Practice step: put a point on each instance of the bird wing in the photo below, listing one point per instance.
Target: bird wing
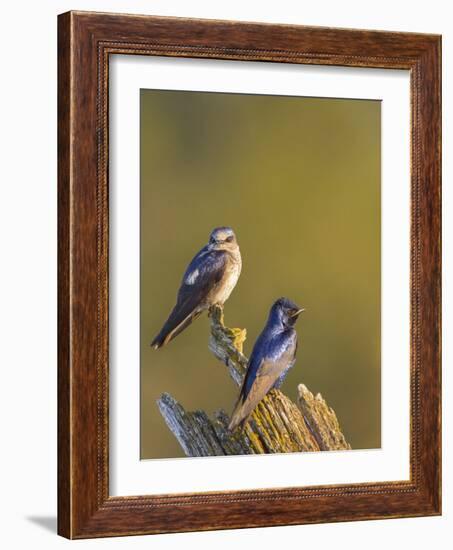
(204, 272)
(261, 377)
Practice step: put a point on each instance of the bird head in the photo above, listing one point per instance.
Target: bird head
(222, 238)
(285, 311)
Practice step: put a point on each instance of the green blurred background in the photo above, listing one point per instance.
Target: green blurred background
(299, 181)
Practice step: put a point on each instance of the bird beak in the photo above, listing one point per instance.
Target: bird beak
(298, 312)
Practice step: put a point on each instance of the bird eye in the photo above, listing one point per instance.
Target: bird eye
(230, 239)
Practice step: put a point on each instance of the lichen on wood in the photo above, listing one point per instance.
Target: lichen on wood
(277, 425)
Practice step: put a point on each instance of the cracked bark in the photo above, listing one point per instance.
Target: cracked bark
(277, 425)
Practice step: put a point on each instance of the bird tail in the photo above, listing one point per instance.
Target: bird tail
(173, 326)
(246, 404)
(240, 415)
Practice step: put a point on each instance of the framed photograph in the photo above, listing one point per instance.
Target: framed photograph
(249, 275)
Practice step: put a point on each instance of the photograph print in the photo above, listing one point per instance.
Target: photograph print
(260, 274)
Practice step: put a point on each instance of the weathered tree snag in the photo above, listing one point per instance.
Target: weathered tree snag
(277, 425)
(322, 420)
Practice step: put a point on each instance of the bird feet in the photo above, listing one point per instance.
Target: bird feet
(216, 314)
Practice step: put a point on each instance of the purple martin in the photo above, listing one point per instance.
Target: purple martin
(209, 280)
(273, 354)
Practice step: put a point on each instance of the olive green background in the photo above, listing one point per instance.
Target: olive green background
(299, 181)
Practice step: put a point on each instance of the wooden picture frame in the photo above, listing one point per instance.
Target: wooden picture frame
(85, 42)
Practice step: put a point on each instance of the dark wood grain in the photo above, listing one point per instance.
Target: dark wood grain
(64, 367)
(86, 40)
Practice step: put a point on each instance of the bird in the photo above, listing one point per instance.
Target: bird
(209, 280)
(273, 354)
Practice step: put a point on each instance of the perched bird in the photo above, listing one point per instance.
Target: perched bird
(274, 353)
(209, 280)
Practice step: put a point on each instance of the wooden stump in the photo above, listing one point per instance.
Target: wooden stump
(277, 425)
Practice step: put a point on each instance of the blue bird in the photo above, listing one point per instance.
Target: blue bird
(274, 353)
(209, 280)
